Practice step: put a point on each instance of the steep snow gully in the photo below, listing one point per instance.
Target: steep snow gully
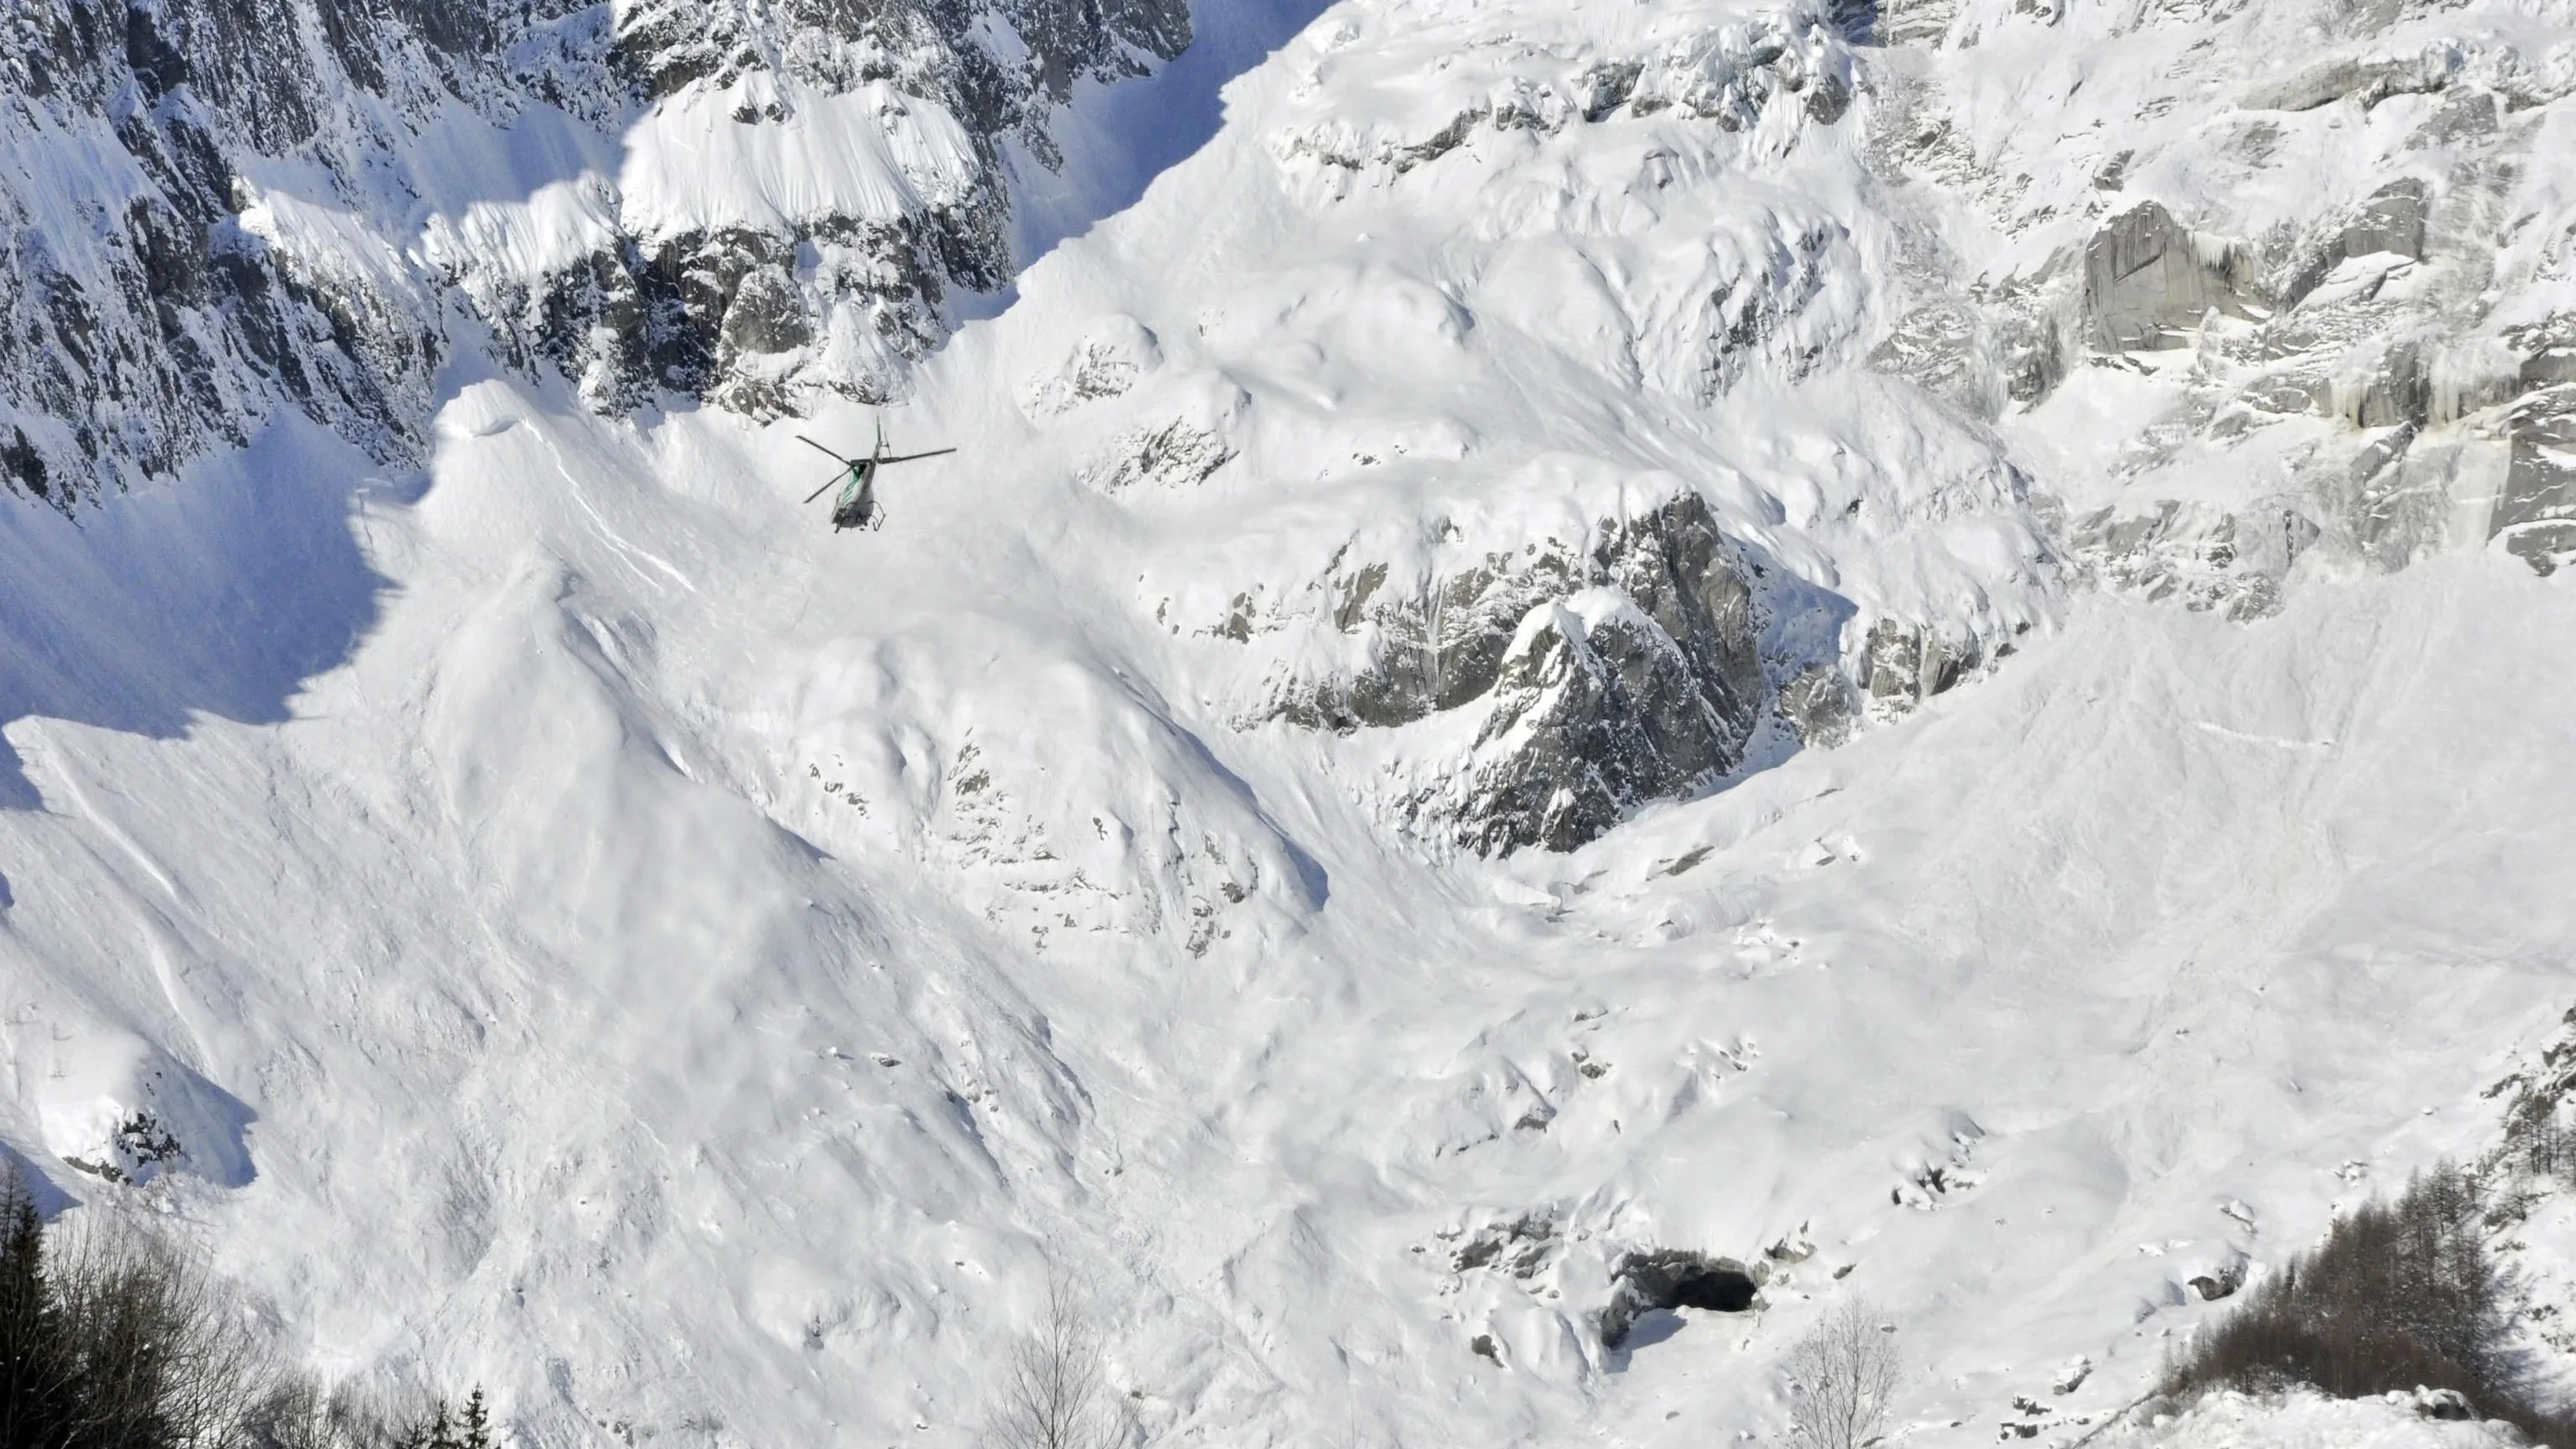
(1593, 677)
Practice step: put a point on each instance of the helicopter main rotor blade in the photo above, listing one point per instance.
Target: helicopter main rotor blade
(908, 457)
(826, 488)
(809, 442)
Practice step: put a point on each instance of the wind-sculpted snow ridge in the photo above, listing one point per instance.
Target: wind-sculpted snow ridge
(215, 212)
(1517, 755)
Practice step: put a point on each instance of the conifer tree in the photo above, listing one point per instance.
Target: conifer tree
(35, 1382)
(478, 1427)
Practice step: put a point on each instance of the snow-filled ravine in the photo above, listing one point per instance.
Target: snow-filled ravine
(1921, 647)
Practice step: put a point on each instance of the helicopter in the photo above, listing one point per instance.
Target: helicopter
(857, 505)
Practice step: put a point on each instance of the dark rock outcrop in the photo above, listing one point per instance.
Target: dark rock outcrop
(1613, 676)
(1733, 77)
(139, 320)
(2221, 1281)
(1765, 319)
(1518, 1246)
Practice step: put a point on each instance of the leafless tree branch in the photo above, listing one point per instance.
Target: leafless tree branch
(1842, 1375)
(1055, 1394)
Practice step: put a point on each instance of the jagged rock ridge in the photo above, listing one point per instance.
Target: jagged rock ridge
(1628, 668)
(213, 212)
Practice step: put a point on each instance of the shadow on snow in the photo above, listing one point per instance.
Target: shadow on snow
(216, 594)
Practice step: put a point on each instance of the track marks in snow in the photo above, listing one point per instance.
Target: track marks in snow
(68, 779)
(626, 549)
(2272, 741)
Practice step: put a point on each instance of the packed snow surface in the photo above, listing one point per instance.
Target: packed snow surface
(2307, 1421)
(569, 921)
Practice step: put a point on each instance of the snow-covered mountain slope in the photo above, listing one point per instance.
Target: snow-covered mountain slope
(215, 212)
(1597, 631)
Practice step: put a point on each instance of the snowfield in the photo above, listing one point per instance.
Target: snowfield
(2227, 1421)
(564, 919)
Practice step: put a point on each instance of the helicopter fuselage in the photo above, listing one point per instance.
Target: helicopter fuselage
(857, 505)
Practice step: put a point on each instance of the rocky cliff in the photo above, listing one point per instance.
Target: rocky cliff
(1602, 676)
(2252, 313)
(212, 211)
(2318, 254)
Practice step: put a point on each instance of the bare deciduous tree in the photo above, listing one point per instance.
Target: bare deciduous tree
(161, 1357)
(1056, 1394)
(114, 1336)
(1841, 1376)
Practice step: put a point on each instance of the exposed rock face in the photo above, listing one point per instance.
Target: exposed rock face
(2370, 80)
(140, 322)
(2536, 516)
(216, 211)
(2392, 220)
(1763, 319)
(1598, 708)
(2148, 281)
(1904, 664)
(1173, 455)
(1454, 643)
(2229, 562)
(2359, 367)
(2368, 316)
(2221, 1281)
(2384, 391)
(1626, 673)
(1818, 706)
(1735, 78)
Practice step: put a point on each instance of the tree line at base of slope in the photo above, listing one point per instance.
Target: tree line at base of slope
(113, 1337)
(2404, 1295)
